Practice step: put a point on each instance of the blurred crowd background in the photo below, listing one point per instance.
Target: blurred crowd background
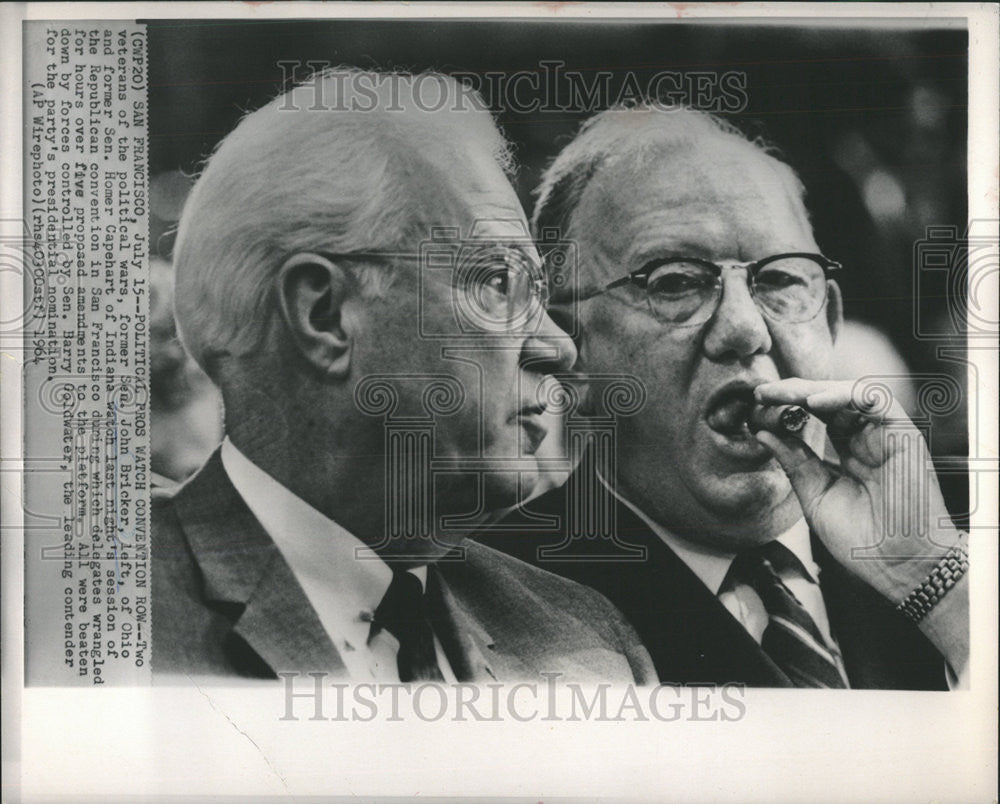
(874, 119)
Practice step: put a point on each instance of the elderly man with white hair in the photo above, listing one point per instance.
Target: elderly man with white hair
(736, 551)
(302, 291)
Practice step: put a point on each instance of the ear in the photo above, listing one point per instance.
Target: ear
(834, 309)
(312, 291)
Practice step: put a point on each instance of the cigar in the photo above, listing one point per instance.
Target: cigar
(778, 419)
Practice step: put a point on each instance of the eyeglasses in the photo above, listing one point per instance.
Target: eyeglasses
(495, 286)
(686, 291)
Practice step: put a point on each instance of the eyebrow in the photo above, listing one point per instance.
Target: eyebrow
(664, 253)
(531, 255)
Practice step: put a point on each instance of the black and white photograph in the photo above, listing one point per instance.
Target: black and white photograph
(493, 375)
(717, 243)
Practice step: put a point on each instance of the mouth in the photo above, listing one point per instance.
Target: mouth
(533, 425)
(728, 416)
(728, 410)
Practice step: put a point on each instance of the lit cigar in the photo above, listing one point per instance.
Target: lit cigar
(777, 418)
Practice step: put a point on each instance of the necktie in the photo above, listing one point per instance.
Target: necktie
(403, 613)
(791, 637)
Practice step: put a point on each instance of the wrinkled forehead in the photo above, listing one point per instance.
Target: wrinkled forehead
(469, 190)
(718, 199)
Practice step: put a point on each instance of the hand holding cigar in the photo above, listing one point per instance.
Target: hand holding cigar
(779, 419)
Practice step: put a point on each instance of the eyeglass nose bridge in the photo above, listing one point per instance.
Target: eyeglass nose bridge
(749, 280)
(712, 310)
(540, 290)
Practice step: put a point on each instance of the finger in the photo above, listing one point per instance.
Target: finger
(850, 434)
(795, 390)
(861, 426)
(824, 396)
(830, 402)
(853, 411)
(843, 420)
(854, 432)
(844, 423)
(809, 475)
(831, 399)
(858, 397)
(860, 468)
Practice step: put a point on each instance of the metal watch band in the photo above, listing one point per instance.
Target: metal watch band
(946, 573)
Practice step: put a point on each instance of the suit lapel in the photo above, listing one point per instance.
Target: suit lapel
(246, 577)
(464, 640)
(688, 632)
(690, 635)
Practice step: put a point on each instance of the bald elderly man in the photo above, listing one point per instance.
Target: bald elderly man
(302, 292)
(736, 552)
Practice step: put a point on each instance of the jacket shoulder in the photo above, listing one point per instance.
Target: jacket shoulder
(544, 613)
(510, 572)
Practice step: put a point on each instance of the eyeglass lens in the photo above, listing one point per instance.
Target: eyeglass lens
(501, 286)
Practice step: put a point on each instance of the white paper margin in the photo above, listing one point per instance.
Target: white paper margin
(88, 744)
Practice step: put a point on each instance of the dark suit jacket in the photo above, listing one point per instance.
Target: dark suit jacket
(691, 636)
(226, 603)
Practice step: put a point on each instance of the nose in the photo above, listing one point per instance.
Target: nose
(564, 318)
(737, 330)
(548, 349)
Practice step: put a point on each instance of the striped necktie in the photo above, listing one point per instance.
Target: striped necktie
(403, 613)
(791, 638)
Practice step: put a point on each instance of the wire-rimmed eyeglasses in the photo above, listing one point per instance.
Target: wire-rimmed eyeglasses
(496, 286)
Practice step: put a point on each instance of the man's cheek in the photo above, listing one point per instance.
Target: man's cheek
(804, 352)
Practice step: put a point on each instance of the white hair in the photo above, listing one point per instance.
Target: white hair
(634, 133)
(336, 164)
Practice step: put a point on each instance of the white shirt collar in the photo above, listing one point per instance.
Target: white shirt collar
(343, 578)
(711, 566)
